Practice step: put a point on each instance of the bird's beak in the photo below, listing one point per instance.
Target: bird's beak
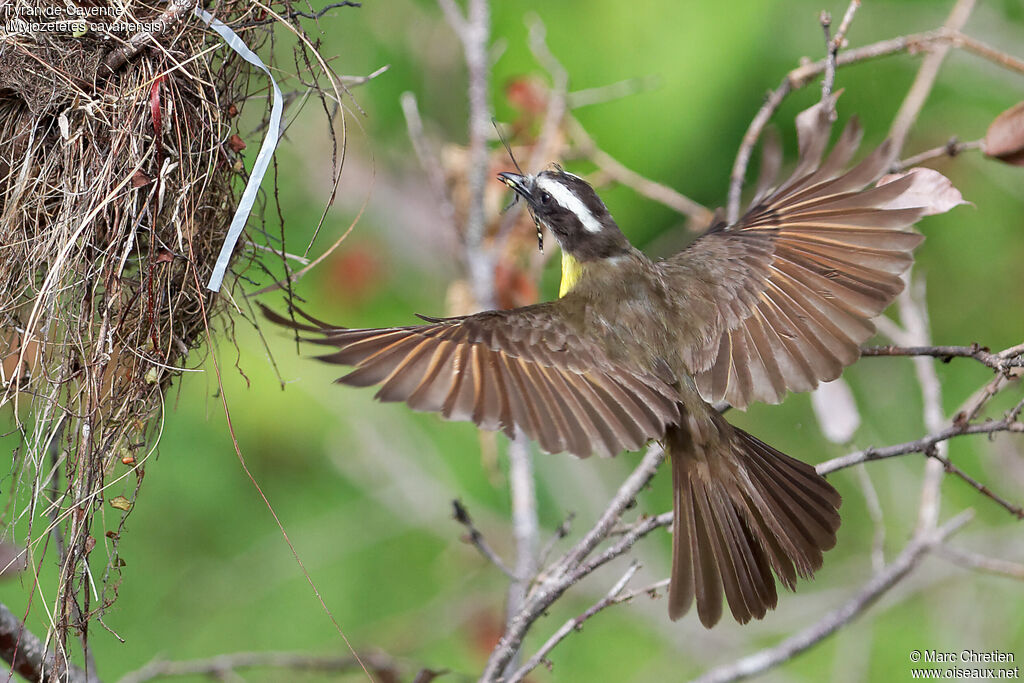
(516, 182)
(518, 185)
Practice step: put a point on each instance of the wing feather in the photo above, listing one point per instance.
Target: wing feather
(525, 369)
(784, 297)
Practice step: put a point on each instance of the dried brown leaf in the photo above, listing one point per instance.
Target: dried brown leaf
(1004, 139)
(929, 190)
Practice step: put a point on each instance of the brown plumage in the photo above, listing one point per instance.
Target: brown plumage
(778, 302)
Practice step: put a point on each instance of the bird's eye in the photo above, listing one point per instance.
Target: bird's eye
(545, 198)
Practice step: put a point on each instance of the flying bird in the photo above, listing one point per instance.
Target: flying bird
(637, 349)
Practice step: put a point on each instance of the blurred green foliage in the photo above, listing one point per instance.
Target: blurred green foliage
(364, 489)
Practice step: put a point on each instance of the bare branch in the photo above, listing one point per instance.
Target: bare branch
(914, 317)
(574, 624)
(27, 656)
(874, 506)
(1001, 362)
(921, 445)
(925, 79)
(979, 562)
(221, 666)
(525, 527)
(352, 81)
(428, 160)
(175, 12)
(461, 515)
(568, 569)
(881, 582)
(698, 214)
(802, 75)
(951, 149)
(613, 91)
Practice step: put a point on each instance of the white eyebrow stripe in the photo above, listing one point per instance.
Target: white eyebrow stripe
(570, 202)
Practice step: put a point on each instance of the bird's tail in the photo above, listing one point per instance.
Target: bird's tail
(742, 511)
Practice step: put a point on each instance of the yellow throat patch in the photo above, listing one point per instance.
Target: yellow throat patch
(571, 270)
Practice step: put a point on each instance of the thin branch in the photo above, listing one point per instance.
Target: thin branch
(914, 317)
(352, 81)
(698, 214)
(951, 149)
(925, 79)
(461, 515)
(574, 624)
(611, 92)
(993, 55)
(921, 445)
(979, 562)
(221, 666)
(473, 31)
(844, 26)
(881, 582)
(561, 532)
(832, 47)
(1001, 362)
(525, 527)
(175, 12)
(429, 162)
(568, 569)
(803, 74)
(27, 656)
(874, 506)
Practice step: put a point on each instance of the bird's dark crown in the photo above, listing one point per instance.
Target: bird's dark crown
(569, 207)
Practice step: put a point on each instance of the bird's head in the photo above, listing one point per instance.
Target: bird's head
(572, 211)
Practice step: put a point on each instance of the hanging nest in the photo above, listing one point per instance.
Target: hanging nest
(119, 175)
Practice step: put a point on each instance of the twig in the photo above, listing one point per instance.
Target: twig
(461, 515)
(830, 63)
(979, 562)
(1013, 509)
(568, 569)
(574, 624)
(925, 79)
(304, 15)
(881, 582)
(428, 160)
(914, 317)
(175, 12)
(917, 446)
(844, 26)
(222, 665)
(832, 47)
(993, 55)
(561, 532)
(557, 107)
(27, 657)
(613, 91)
(525, 527)
(1001, 362)
(473, 31)
(951, 149)
(352, 81)
(874, 506)
(802, 75)
(699, 215)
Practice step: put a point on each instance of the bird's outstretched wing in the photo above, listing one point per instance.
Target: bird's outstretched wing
(786, 295)
(523, 368)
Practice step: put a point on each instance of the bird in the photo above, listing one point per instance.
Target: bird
(636, 350)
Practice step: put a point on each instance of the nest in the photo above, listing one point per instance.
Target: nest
(119, 174)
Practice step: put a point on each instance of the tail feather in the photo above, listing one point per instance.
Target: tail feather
(743, 510)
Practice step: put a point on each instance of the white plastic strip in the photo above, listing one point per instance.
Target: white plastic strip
(259, 167)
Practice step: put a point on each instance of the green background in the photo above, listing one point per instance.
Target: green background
(364, 489)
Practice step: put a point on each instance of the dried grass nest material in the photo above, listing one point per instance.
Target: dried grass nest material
(116, 191)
